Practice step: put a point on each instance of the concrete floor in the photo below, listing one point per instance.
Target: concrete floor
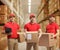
(22, 46)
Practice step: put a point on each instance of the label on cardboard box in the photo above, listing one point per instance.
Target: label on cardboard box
(29, 36)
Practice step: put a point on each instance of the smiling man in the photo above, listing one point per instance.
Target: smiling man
(11, 31)
(32, 26)
(53, 27)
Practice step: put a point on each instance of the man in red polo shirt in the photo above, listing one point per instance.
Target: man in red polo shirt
(32, 26)
(52, 27)
(13, 36)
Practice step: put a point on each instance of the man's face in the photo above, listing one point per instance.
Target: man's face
(52, 19)
(33, 19)
(12, 19)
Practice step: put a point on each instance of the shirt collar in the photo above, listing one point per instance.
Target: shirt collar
(32, 23)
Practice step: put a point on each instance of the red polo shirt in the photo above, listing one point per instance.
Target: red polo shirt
(32, 27)
(52, 28)
(15, 27)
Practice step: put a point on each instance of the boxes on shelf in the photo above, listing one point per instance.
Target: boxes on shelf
(3, 18)
(54, 4)
(3, 39)
(3, 9)
(3, 43)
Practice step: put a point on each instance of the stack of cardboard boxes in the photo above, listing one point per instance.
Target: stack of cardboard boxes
(3, 19)
(54, 4)
(3, 39)
(3, 13)
(3, 9)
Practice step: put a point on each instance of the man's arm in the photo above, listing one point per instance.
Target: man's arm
(19, 30)
(40, 32)
(18, 27)
(57, 30)
(57, 34)
(25, 30)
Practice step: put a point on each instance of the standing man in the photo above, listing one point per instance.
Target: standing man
(53, 27)
(32, 26)
(12, 36)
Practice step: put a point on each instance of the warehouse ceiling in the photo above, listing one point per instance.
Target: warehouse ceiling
(34, 6)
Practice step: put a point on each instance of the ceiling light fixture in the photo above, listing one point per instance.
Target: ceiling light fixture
(29, 6)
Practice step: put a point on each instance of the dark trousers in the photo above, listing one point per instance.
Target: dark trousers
(29, 45)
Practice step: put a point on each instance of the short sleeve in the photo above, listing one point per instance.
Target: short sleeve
(4, 26)
(18, 27)
(38, 26)
(56, 26)
(25, 27)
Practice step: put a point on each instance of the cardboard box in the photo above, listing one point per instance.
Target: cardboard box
(3, 9)
(4, 17)
(3, 43)
(46, 40)
(32, 37)
(3, 39)
(21, 37)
